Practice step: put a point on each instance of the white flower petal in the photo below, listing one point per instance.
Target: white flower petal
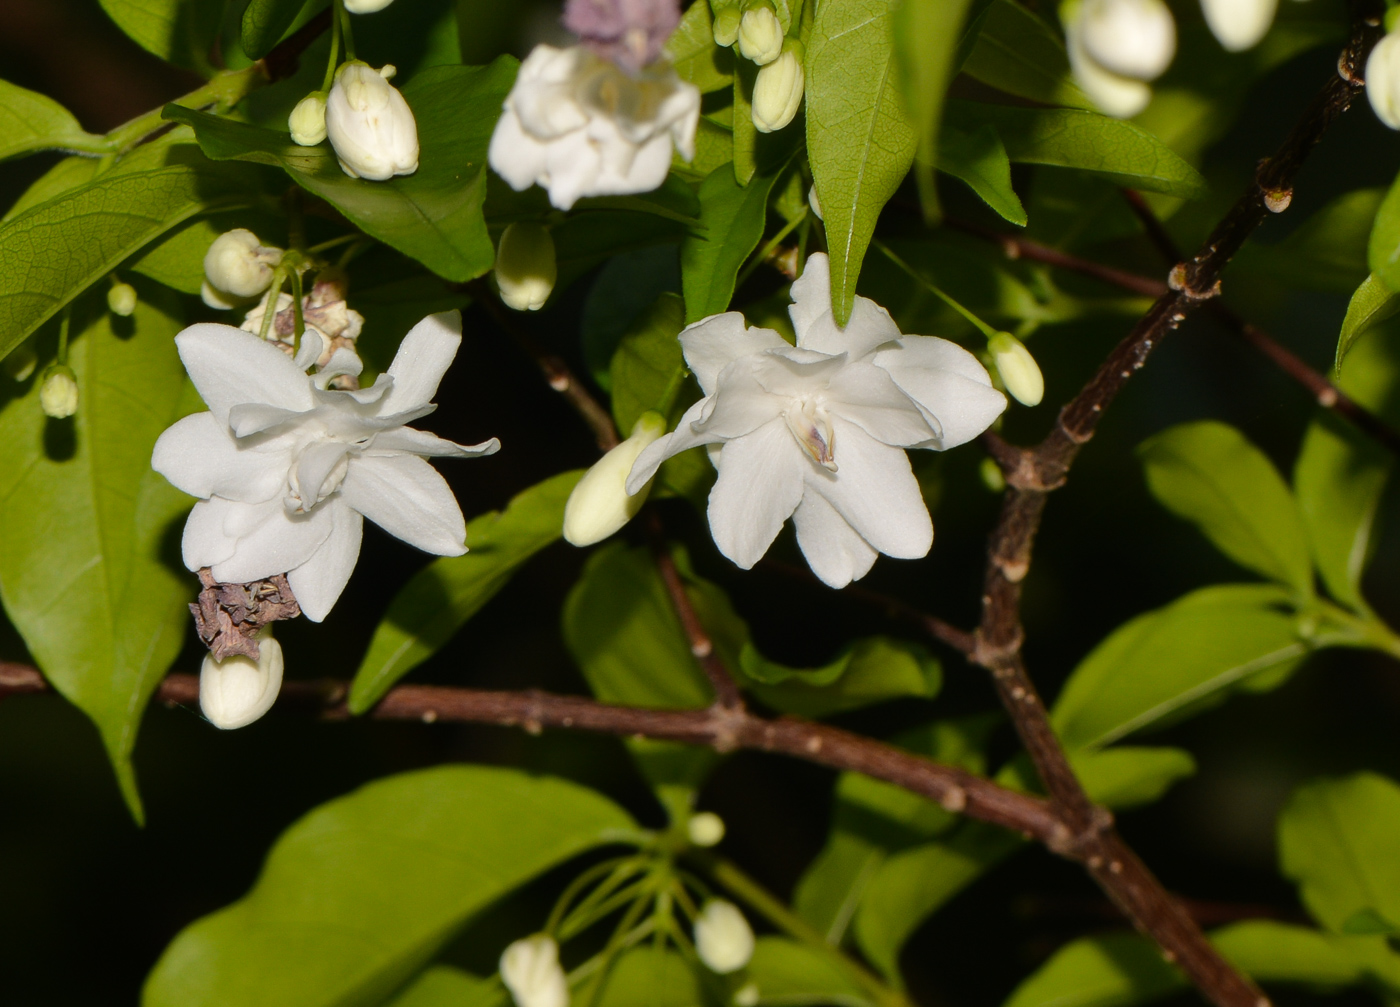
(276, 542)
(874, 489)
(759, 486)
(683, 438)
(423, 358)
(410, 500)
(401, 440)
(318, 582)
(834, 550)
(199, 457)
(572, 165)
(868, 396)
(740, 406)
(946, 380)
(712, 344)
(811, 294)
(515, 155)
(230, 367)
(205, 542)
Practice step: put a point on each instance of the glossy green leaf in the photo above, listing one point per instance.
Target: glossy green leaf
(440, 598)
(926, 36)
(264, 24)
(1337, 840)
(797, 975)
(626, 287)
(648, 976)
(447, 986)
(1211, 475)
(1327, 252)
(31, 121)
(869, 671)
(695, 55)
(1127, 776)
(743, 134)
(860, 140)
(1020, 54)
(433, 215)
(732, 217)
(980, 160)
(86, 527)
(68, 173)
(1372, 303)
(359, 894)
(647, 360)
(178, 31)
(1383, 249)
(1161, 663)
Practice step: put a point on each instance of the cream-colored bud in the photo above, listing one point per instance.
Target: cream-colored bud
(727, 26)
(236, 691)
(58, 395)
(1112, 93)
(760, 35)
(777, 93)
(366, 6)
(723, 939)
(22, 360)
(1239, 24)
(308, 120)
(237, 263)
(531, 971)
(600, 504)
(216, 298)
(814, 203)
(1018, 369)
(1130, 38)
(525, 266)
(705, 829)
(370, 125)
(1383, 80)
(747, 995)
(121, 299)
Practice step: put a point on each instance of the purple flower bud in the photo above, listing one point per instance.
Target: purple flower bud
(631, 33)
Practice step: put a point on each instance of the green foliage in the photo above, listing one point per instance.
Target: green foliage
(1328, 252)
(30, 121)
(1383, 250)
(1020, 54)
(179, 31)
(446, 986)
(651, 977)
(1372, 303)
(694, 54)
(787, 972)
(264, 24)
(868, 671)
(731, 223)
(926, 35)
(980, 160)
(647, 362)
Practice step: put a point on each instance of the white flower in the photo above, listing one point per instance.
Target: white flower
(525, 266)
(58, 392)
(777, 93)
(600, 504)
(308, 120)
(1115, 46)
(705, 829)
(816, 432)
(370, 125)
(121, 299)
(1239, 24)
(723, 939)
(1383, 80)
(238, 265)
(1018, 369)
(236, 691)
(760, 35)
(531, 971)
(580, 126)
(285, 470)
(366, 6)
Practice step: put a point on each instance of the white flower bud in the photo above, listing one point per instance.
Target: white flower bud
(705, 829)
(727, 26)
(121, 299)
(308, 120)
(1018, 369)
(366, 6)
(370, 125)
(1113, 94)
(22, 360)
(525, 266)
(746, 995)
(723, 938)
(600, 504)
(1383, 80)
(236, 691)
(1130, 38)
(58, 395)
(216, 298)
(814, 203)
(531, 971)
(237, 263)
(760, 35)
(1239, 24)
(777, 94)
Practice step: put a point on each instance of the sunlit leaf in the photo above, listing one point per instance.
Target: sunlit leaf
(980, 160)
(695, 55)
(1372, 303)
(1020, 54)
(31, 121)
(731, 223)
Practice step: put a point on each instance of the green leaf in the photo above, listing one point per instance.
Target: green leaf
(980, 160)
(1383, 250)
(31, 121)
(264, 24)
(626, 287)
(695, 55)
(1111, 149)
(1126, 777)
(1328, 252)
(731, 224)
(1211, 475)
(360, 893)
(1020, 54)
(859, 138)
(433, 215)
(447, 986)
(796, 975)
(85, 524)
(441, 597)
(869, 671)
(1163, 662)
(647, 360)
(649, 976)
(1372, 304)
(178, 31)
(1337, 840)
(926, 35)
(68, 173)
(743, 133)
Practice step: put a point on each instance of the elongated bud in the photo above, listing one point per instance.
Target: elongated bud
(705, 829)
(525, 266)
(121, 299)
(531, 971)
(366, 6)
(22, 360)
(1239, 24)
(58, 395)
(1383, 80)
(723, 939)
(814, 203)
(600, 504)
(239, 264)
(777, 94)
(760, 34)
(727, 26)
(1112, 93)
(1018, 369)
(236, 691)
(1132, 38)
(370, 125)
(308, 120)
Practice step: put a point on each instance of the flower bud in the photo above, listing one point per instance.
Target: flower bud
(525, 266)
(58, 395)
(1383, 80)
(600, 504)
(760, 34)
(1112, 93)
(238, 263)
(366, 6)
(22, 360)
(747, 995)
(723, 939)
(1131, 38)
(705, 829)
(1239, 24)
(777, 94)
(308, 120)
(814, 203)
(236, 691)
(727, 26)
(991, 475)
(121, 299)
(370, 125)
(531, 971)
(1018, 369)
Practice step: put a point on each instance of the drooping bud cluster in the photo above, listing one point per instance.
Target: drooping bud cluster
(531, 971)
(236, 267)
(755, 30)
(238, 690)
(600, 504)
(760, 34)
(1116, 47)
(723, 939)
(1020, 374)
(525, 266)
(370, 124)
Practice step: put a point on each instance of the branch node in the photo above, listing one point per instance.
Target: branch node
(955, 800)
(997, 657)
(1277, 200)
(1181, 279)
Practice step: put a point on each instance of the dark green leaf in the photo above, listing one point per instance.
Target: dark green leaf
(796, 975)
(178, 31)
(1127, 776)
(980, 160)
(1383, 250)
(869, 671)
(731, 223)
(264, 24)
(1020, 54)
(926, 35)
(625, 288)
(1328, 252)
(695, 55)
(647, 361)
(446, 986)
(743, 133)
(31, 121)
(1372, 303)
(652, 977)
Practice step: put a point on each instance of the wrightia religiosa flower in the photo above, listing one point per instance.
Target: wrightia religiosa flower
(817, 432)
(238, 690)
(370, 124)
(526, 267)
(777, 93)
(760, 34)
(1116, 47)
(286, 470)
(1239, 24)
(531, 971)
(1018, 369)
(723, 938)
(237, 266)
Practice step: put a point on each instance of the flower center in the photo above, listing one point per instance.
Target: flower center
(318, 471)
(811, 425)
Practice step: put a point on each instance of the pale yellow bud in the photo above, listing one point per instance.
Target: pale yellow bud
(525, 266)
(1018, 369)
(760, 35)
(308, 120)
(777, 94)
(239, 264)
(705, 829)
(236, 691)
(727, 26)
(600, 504)
(58, 395)
(530, 970)
(723, 939)
(121, 299)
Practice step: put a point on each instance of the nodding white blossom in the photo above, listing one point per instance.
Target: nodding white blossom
(1116, 47)
(1239, 24)
(531, 971)
(236, 691)
(1383, 80)
(705, 829)
(817, 432)
(1018, 369)
(760, 34)
(600, 504)
(777, 93)
(58, 392)
(726, 26)
(525, 266)
(121, 299)
(366, 6)
(579, 126)
(239, 265)
(370, 125)
(286, 470)
(723, 938)
(308, 120)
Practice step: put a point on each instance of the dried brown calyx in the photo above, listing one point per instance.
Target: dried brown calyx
(228, 616)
